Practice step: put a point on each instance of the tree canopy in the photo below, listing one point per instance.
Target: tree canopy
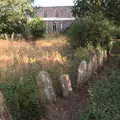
(12, 14)
(110, 8)
(97, 22)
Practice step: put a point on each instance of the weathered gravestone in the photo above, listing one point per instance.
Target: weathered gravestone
(4, 112)
(95, 63)
(82, 72)
(46, 92)
(101, 59)
(105, 55)
(90, 69)
(65, 84)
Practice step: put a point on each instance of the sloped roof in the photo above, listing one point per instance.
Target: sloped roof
(55, 11)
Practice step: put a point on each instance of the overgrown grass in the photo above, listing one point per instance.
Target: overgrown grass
(20, 62)
(43, 54)
(53, 55)
(105, 99)
(21, 97)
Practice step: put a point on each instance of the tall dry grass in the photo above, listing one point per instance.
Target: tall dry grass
(20, 57)
(20, 62)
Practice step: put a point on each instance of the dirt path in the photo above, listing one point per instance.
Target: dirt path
(64, 109)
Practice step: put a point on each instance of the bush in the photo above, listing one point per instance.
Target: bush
(13, 22)
(105, 98)
(115, 50)
(117, 33)
(20, 95)
(90, 30)
(36, 27)
(21, 27)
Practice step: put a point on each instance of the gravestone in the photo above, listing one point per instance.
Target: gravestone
(101, 59)
(90, 69)
(46, 91)
(4, 112)
(105, 55)
(95, 62)
(82, 72)
(65, 84)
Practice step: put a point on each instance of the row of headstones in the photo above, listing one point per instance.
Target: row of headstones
(86, 70)
(45, 87)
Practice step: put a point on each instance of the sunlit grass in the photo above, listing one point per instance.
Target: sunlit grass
(20, 63)
(47, 54)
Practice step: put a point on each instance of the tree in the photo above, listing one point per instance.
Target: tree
(13, 15)
(110, 8)
(97, 30)
(90, 30)
(36, 27)
(84, 7)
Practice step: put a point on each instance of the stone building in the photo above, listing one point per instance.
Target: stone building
(57, 19)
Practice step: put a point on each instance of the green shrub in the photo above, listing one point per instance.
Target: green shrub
(13, 22)
(22, 28)
(90, 30)
(78, 33)
(105, 98)
(116, 33)
(36, 27)
(115, 48)
(21, 99)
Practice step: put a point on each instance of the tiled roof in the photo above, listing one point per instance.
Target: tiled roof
(56, 12)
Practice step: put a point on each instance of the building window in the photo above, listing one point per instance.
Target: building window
(54, 27)
(57, 14)
(45, 14)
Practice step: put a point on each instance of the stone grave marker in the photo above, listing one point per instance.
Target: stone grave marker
(65, 84)
(46, 91)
